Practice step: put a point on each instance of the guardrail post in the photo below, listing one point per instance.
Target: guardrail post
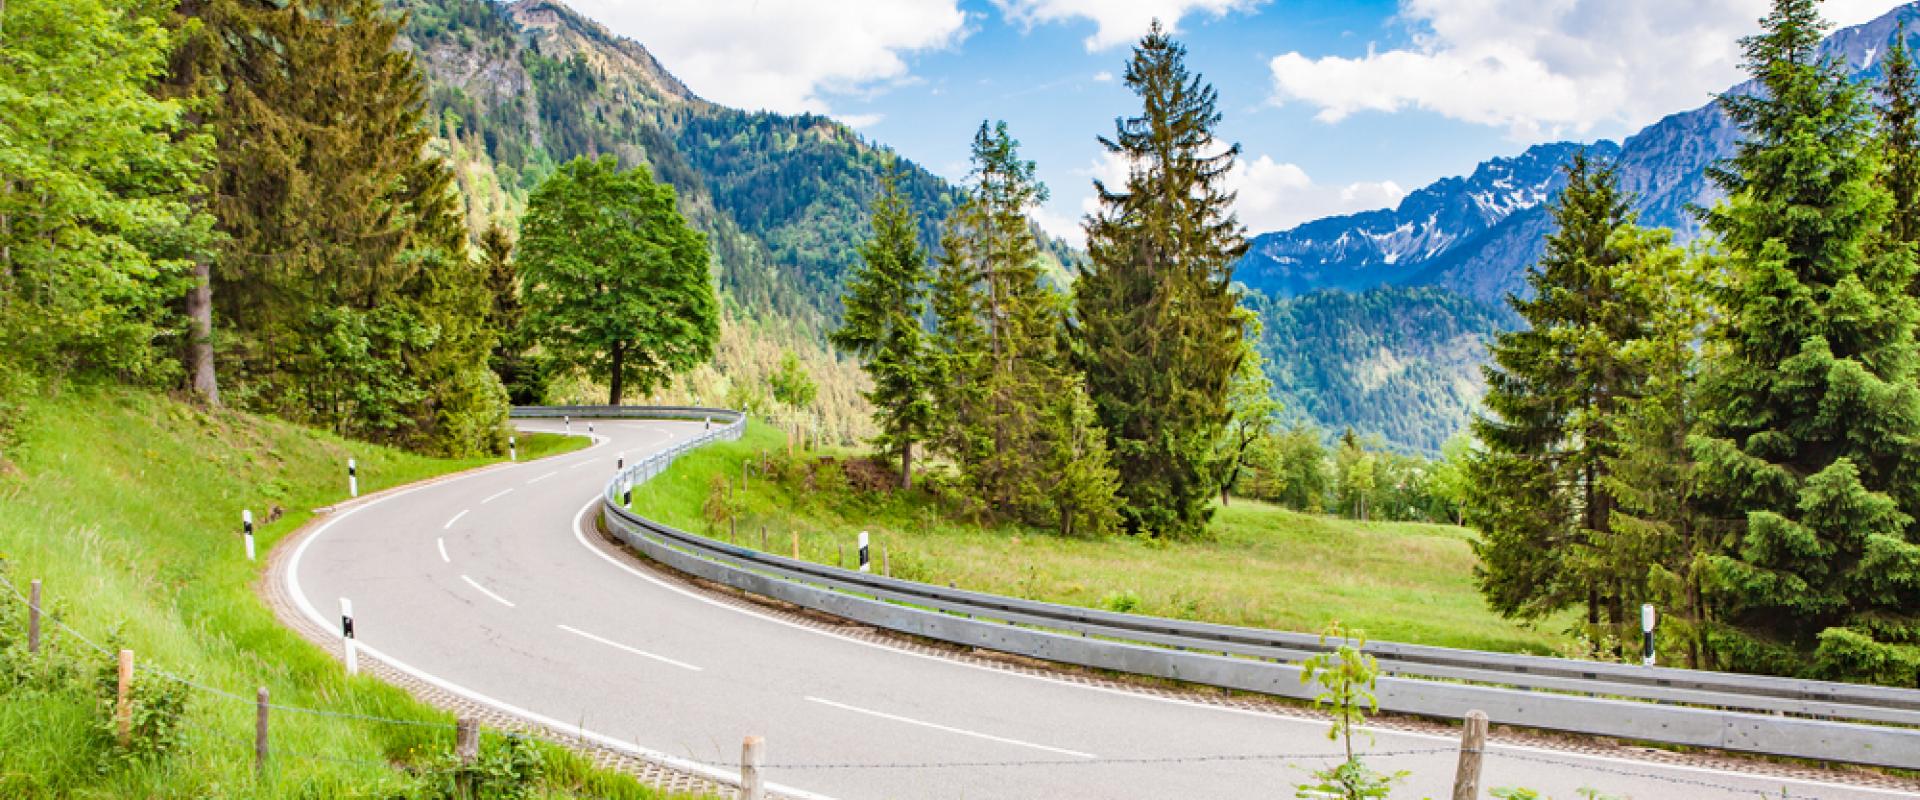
(260, 732)
(33, 617)
(123, 701)
(246, 527)
(753, 785)
(1473, 745)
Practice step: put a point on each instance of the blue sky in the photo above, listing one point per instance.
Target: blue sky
(1338, 106)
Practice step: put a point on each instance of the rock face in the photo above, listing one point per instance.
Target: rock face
(1478, 235)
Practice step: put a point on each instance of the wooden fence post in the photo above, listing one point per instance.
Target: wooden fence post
(886, 566)
(466, 748)
(260, 733)
(753, 785)
(796, 545)
(33, 616)
(123, 701)
(1473, 744)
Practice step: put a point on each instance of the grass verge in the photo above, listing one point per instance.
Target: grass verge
(1262, 566)
(127, 506)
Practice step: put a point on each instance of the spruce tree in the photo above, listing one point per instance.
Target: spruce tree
(1158, 335)
(885, 300)
(1810, 461)
(1539, 494)
(1900, 134)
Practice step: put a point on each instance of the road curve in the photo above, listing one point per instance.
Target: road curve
(489, 585)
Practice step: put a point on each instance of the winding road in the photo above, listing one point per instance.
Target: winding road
(493, 584)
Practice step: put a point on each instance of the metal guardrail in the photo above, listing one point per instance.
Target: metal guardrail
(1749, 713)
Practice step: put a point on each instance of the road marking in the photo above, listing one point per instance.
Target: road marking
(581, 464)
(496, 495)
(949, 729)
(442, 542)
(483, 590)
(543, 477)
(634, 650)
(456, 518)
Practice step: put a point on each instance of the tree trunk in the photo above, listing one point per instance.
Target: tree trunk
(906, 465)
(616, 384)
(206, 384)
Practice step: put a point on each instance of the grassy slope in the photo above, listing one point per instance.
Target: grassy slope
(127, 506)
(1265, 566)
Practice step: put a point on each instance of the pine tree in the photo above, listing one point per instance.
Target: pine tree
(1158, 335)
(1900, 134)
(1539, 492)
(1004, 403)
(1809, 462)
(885, 301)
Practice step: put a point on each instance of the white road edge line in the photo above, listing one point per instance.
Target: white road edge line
(483, 590)
(949, 729)
(725, 776)
(634, 650)
(580, 536)
(543, 477)
(496, 495)
(441, 541)
(456, 518)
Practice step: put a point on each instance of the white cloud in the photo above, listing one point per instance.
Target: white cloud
(1116, 22)
(1103, 76)
(1543, 68)
(858, 121)
(782, 55)
(1275, 195)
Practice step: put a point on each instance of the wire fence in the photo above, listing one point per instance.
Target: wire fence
(1649, 774)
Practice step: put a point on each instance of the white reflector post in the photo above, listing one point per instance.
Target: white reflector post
(866, 565)
(346, 637)
(246, 528)
(1646, 626)
(353, 479)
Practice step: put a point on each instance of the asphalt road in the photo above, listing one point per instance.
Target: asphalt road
(487, 583)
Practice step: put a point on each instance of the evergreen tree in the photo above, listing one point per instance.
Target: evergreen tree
(1809, 459)
(1250, 400)
(1005, 401)
(1539, 492)
(885, 301)
(1355, 476)
(520, 370)
(1158, 332)
(1900, 133)
(616, 282)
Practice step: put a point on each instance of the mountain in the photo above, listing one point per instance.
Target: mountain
(1474, 238)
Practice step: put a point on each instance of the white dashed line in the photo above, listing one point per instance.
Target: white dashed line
(581, 464)
(949, 729)
(634, 650)
(456, 518)
(483, 590)
(543, 477)
(496, 495)
(442, 543)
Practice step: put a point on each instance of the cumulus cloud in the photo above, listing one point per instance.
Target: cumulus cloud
(1543, 68)
(1117, 22)
(782, 55)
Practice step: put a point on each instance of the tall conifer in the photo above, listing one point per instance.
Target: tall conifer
(885, 301)
(1900, 133)
(1158, 335)
(1812, 453)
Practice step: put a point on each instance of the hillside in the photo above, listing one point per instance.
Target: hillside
(126, 504)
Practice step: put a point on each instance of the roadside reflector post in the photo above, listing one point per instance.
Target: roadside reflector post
(260, 732)
(123, 701)
(347, 645)
(246, 527)
(865, 564)
(353, 479)
(513, 448)
(1647, 620)
(33, 617)
(753, 785)
(567, 422)
(708, 425)
(620, 463)
(1473, 745)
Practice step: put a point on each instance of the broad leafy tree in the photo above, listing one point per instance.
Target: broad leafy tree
(1811, 456)
(1158, 331)
(615, 281)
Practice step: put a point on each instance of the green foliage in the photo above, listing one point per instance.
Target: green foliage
(1158, 332)
(507, 768)
(97, 225)
(1255, 412)
(1807, 457)
(616, 283)
(1899, 133)
(1347, 678)
(885, 303)
(158, 708)
(1355, 480)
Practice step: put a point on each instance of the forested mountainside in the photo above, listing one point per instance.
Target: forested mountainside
(520, 87)
(1402, 363)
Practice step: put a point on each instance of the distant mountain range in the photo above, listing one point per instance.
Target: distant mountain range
(1475, 237)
